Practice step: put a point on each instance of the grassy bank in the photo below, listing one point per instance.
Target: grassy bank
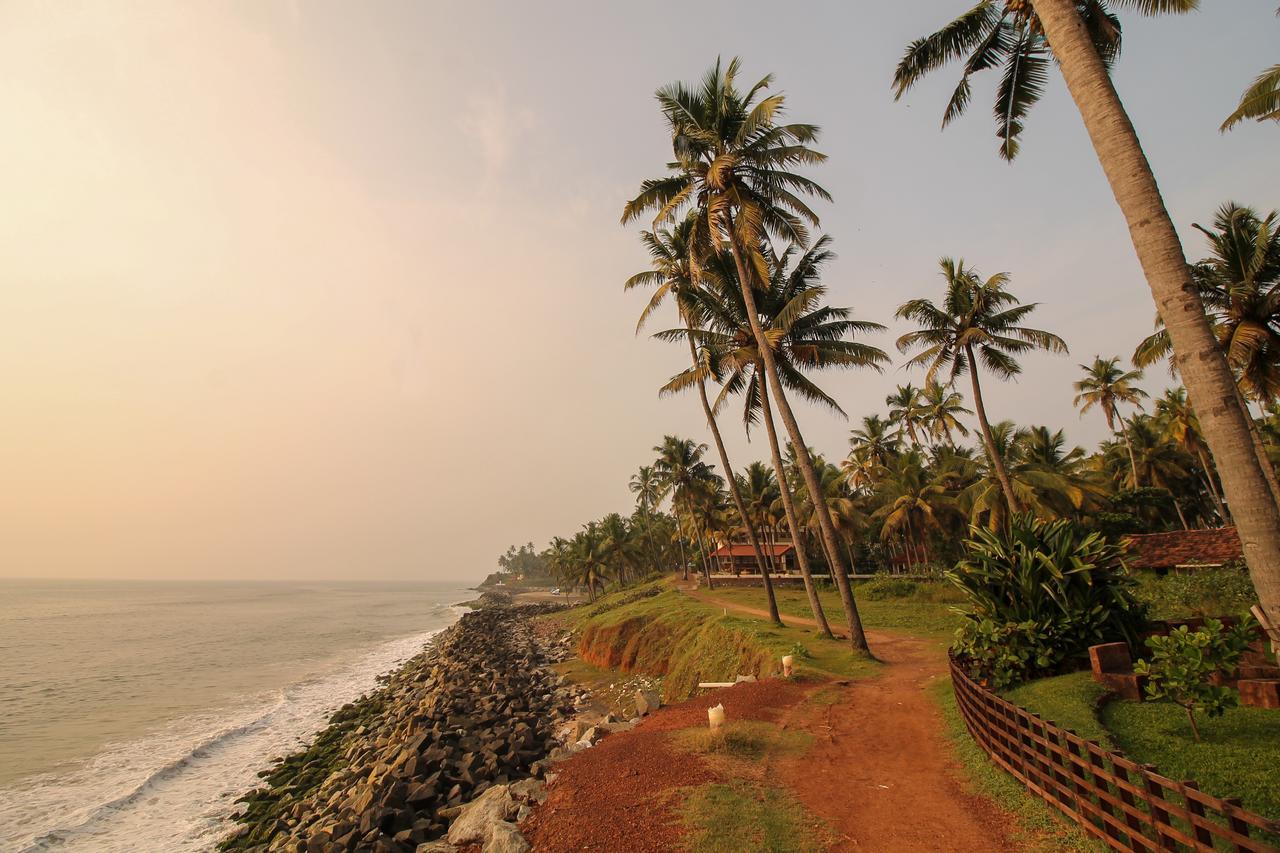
(656, 630)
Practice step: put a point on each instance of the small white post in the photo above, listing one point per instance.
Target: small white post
(787, 661)
(715, 716)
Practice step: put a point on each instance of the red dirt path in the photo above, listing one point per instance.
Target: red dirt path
(879, 771)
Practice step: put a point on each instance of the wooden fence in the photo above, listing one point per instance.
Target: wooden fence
(1127, 805)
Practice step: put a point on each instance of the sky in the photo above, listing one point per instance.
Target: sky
(332, 290)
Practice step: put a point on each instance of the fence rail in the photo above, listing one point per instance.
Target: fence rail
(1127, 805)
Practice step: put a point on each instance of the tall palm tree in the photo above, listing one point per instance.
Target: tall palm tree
(978, 321)
(674, 272)
(759, 489)
(906, 409)
(734, 165)
(1261, 101)
(621, 546)
(1239, 287)
(647, 488)
(1204, 370)
(804, 334)
(873, 441)
(684, 476)
(1180, 423)
(912, 505)
(1003, 34)
(590, 556)
(942, 405)
(1106, 386)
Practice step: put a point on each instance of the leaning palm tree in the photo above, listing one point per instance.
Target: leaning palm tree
(906, 409)
(1260, 102)
(1204, 370)
(805, 335)
(1105, 385)
(977, 322)
(673, 271)
(734, 166)
(942, 406)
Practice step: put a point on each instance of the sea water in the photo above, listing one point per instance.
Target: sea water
(132, 714)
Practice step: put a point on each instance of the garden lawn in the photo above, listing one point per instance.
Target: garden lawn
(1239, 756)
(916, 614)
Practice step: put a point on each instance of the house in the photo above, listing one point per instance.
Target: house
(737, 557)
(1183, 549)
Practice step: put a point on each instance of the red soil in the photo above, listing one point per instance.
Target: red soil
(879, 771)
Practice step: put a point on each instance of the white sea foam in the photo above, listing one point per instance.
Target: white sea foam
(175, 790)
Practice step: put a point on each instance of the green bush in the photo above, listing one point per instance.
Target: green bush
(886, 587)
(1221, 591)
(1183, 664)
(1039, 594)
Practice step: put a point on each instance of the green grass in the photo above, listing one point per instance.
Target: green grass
(1042, 828)
(927, 613)
(1239, 756)
(657, 630)
(745, 816)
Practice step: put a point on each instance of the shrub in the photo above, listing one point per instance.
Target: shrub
(1221, 591)
(886, 587)
(1039, 594)
(1183, 664)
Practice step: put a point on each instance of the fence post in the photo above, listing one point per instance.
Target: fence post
(1196, 808)
(1126, 796)
(1236, 824)
(1155, 798)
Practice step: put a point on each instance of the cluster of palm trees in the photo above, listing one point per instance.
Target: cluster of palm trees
(730, 246)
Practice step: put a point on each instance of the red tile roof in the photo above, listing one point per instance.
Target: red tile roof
(1184, 547)
(737, 550)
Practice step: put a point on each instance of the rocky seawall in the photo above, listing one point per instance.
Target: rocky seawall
(474, 713)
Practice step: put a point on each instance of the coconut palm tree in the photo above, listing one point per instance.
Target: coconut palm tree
(1261, 101)
(673, 272)
(912, 505)
(977, 322)
(1105, 385)
(1179, 422)
(873, 441)
(685, 477)
(734, 164)
(590, 559)
(759, 489)
(1204, 370)
(647, 488)
(1003, 34)
(805, 334)
(906, 410)
(622, 547)
(942, 405)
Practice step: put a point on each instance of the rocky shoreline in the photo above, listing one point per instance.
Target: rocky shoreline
(472, 721)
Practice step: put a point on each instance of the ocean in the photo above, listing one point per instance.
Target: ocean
(132, 714)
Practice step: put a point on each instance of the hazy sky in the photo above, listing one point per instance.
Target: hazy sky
(332, 290)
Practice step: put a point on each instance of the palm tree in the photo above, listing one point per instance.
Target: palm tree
(1045, 482)
(1204, 370)
(590, 557)
(621, 547)
(673, 272)
(647, 488)
(1106, 386)
(1261, 101)
(912, 505)
(759, 489)
(942, 405)
(1179, 422)
(684, 475)
(1239, 287)
(906, 409)
(1003, 34)
(804, 334)
(873, 441)
(977, 321)
(733, 166)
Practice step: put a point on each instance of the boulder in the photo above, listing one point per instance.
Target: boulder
(478, 817)
(647, 702)
(506, 838)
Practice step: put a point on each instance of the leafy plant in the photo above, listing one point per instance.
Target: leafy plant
(884, 588)
(1183, 664)
(1219, 591)
(1039, 594)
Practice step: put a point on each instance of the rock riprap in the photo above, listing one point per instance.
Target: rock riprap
(477, 710)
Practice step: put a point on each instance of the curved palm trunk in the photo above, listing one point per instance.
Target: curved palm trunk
(1207, 469)
(1211, 387)
(1259, 448)
(702, 550)
(997, 463)
(830, 541)
(789, 509)
(1133, 462)
(735, 493)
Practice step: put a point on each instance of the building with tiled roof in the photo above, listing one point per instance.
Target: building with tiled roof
(1183, 549)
